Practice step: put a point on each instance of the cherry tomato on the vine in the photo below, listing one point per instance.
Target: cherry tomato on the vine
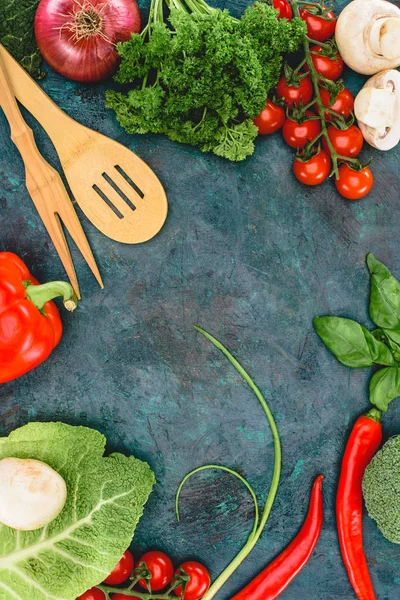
(294, 95)
(343, 105)
(124, 597)
(122, 570)
(319, 28)
(160, 567)
(330, 68)
(284, 9)
(346, 142)
(198, 583)
(353, 184)
(313, 171)
(270, 119)
(297, 135)
(92, 594)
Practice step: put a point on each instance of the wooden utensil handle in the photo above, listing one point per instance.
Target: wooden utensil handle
(18, 126)
(36, 101)
(21, 133)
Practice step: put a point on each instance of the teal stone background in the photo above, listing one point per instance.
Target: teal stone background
(252, 256)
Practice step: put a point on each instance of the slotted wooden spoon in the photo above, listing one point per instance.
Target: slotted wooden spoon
(116, 190)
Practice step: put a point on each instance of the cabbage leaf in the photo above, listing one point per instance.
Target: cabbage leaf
(105, 501)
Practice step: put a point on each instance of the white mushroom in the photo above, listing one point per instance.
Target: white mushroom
(32, 494)
(368, 35)
(377, 108)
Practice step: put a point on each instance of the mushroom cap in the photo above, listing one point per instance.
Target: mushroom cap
(377, 108)
(32, 494)
(353, 30)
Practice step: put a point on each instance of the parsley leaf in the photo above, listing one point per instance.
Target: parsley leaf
(202, 77)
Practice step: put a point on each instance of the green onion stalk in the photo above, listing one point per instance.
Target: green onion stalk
(259, 520)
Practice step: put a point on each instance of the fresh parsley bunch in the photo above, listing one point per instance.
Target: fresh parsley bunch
(203, 76)
(355, 346)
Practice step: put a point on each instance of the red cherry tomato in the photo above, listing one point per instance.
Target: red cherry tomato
(270, 119)
(330, 68)
(93, 594)
(346, 142)
(198, 583)
(315, 170)
(161, 569)
(297, 135)
(354, 185)
(122, 571)
(292, 94)
(343, 105)
(318, 28)
(284, 9)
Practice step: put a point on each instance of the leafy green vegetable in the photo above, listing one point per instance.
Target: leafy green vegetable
(394, 336)
(17, 33)
(381, 488)
(82, 545)
(384, 387)
(203, 77)
(351, 343)
(389, 339)
(384, 306)
(355, 346)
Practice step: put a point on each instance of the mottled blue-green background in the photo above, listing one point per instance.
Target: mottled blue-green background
(252, 256)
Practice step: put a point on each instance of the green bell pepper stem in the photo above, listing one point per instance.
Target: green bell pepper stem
(40, 294)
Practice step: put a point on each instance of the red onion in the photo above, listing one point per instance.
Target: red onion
(78, 37)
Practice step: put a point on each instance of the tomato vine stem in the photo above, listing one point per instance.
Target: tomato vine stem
(318, 100)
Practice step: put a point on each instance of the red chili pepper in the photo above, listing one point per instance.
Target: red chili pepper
(30, 326)
(364, 441)
(271, 582)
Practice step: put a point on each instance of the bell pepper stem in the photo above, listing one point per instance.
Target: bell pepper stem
(40, 294)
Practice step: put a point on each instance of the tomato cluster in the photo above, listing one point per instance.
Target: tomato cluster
(326, 141)
(154, 572)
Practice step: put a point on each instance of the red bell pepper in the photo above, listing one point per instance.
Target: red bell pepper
(30, 326)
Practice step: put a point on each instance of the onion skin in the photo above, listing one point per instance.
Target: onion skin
(89, 56)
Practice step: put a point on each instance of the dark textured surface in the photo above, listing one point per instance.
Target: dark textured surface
(252, 256)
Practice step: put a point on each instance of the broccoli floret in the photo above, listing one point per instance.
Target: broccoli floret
(381, 488)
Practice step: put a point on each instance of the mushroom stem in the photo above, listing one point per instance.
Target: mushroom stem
(384, 37)
(377, 108)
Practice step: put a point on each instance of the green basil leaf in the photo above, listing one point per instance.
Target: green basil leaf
(394, 336)
(384, 306)
(351, 343)
(393, 341)
(384, 387)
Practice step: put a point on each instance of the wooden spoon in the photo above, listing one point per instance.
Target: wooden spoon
(116, 190)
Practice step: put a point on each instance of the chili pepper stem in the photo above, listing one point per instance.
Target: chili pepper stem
(374, 414)
(40, 294)
(315, 81)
